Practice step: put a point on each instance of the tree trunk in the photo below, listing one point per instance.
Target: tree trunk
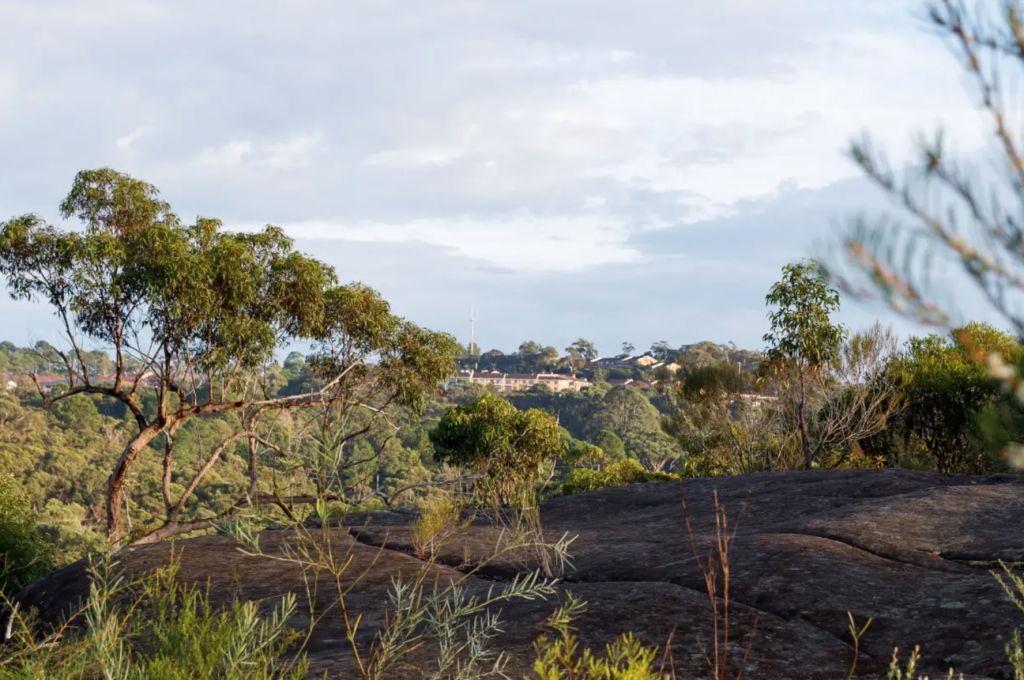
(115, 485)
(804, 444)
(173, 528)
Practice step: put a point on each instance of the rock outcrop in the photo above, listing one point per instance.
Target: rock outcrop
(913, 551)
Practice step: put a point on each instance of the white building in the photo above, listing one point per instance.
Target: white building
(518, 382)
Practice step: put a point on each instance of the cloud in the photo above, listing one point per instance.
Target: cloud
(225, 156)
(519, 241)
(127, 142)
(290, 154)
(691, 282)
(8, 87)
(593, 152)
(415, 157)
(704, 280)
(294, 153)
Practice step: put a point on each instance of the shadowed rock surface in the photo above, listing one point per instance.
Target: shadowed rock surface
(911, 550)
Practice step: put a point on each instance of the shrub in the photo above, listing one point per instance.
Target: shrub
(625, 659)
(955, 412)
(559, 657)
(612, 445)
(437, 519)
(628, 471)
(24, 553)
(159, 629)
(505, 446)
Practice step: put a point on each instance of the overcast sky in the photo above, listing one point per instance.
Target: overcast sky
(615, 170)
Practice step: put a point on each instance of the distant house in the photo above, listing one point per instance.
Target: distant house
(632, 382)
(625, 361)
(608, 362)
(47, 382)
(518, 382)
(14, 381)
(147, 379)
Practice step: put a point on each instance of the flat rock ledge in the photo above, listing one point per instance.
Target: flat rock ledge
(911, 550)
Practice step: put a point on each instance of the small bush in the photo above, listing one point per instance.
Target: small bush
(560, 658)
(628, 471)
(159, 629)
(908, 671)
(24, 553)
(624, 659)
(437, 519)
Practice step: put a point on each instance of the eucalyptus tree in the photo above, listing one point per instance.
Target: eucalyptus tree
(193, 315)
(803, 337)
(503, 445)
(661, 350)
(580, 353)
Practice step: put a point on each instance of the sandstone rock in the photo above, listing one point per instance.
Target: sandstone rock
(911, 550)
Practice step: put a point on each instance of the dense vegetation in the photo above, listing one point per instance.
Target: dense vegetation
(173, 415)
(929, 403)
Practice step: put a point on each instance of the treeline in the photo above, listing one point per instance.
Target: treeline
(43, 358)
(929, 403)
(585, 359)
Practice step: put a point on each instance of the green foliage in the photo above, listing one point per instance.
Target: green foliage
(438, 518)
(213, 306)
(803, 338)
(560, 658)
(627, 471)
(504, 445)
(955, 414)
(661, 350)
(707, 352)
(722, 439)
(1013, 585)
(579, 453)
(908, 670)
(236, 643)
(709, 381)
(801, 328)
(459, 624)
(579, 353)
(731, 423)
(612, 445)
(78, 412)
(223, 297)
(576, 411)
(24, 553)
(626, 411)
(625, 659)
(703, 417)
(532, 357)
(629, 414)
(42, 358)
(160, 629)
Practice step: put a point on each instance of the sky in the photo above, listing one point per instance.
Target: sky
(621, 171)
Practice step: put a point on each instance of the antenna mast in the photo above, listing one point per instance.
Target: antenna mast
(474, 314)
